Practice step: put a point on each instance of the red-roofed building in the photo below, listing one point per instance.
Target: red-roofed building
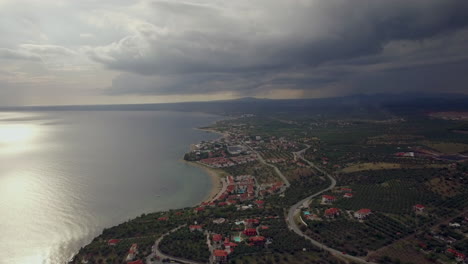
(195, 228)
(458, 256)
(163, 218)
(263, 227)
(332, 212)
(260, 203)
(250, 232)
(419, 207)
(346, 189)
(136, 262)
(113, 242)
(251, 222)
(132, 252)
(328, 199)
(348, 195)
(257, 240)
(199, 209)
(362, 213)
(220, 256)
(217, 237)
(217, 240)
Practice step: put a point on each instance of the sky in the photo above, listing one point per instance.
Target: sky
(59, 52)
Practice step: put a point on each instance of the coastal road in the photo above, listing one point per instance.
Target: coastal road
(157, 252)
(302, 203)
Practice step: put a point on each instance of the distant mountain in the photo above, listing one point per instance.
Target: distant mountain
(359, 103)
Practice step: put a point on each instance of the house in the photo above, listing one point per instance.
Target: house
(362, 213)
(456, 225)
(219, 221)
(260, 203)
(419, 208)
(346, 190)
(199, 209)
(229, 246)
(251, 222)
(163, 218)
(332, 212)
(250, 232)
(113, 242)
(195, 228)
(220, 256)
(257, 240)
(132, 252)
(136, 262)
(348, 195)
(458, 256)
(328, 199)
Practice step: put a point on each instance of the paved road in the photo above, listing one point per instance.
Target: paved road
(164, 256)
(302, 203)
(280, 174)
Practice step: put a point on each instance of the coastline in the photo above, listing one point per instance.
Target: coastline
(216, 177)
(213, 131)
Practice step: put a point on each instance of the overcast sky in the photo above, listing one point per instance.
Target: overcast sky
(116, 51)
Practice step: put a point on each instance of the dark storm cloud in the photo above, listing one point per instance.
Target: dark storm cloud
(244, 47)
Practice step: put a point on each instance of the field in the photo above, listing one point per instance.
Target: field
(356, 238)
(447, 148)
(388, 166)
(263, 173)
(299, 257)
(401, 251)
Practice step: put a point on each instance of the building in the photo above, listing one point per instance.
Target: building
(220, 256)
(229, 246)
(136, 262)
(199, 209)
(260, 203)
(328, 199)
(257, 240)
(217, 240)
(419, 208)
(113, 242)
(195, 228)
(348, 195)
(332, 212)
(235, 150)
(458, 256)
(250, 223)
(132, 252)
(250, 232)
(362, 213)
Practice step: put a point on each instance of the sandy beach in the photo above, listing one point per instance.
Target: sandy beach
(215, 175)
(213, 131)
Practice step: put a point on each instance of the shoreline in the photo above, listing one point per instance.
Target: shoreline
(216, 180)
(223, 135)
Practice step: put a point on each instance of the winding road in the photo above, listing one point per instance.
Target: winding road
(262, 160)
(304, 202)
(157, 252)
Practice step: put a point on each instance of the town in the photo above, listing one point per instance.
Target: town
(314, 192)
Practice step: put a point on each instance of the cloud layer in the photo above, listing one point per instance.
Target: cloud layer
(309, 47)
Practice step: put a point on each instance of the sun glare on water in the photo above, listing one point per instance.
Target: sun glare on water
(16, 137)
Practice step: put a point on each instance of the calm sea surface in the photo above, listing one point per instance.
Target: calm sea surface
(64, 176)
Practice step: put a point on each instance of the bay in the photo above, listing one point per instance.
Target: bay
(64, 176)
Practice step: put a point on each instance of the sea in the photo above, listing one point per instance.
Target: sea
(65, 176)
